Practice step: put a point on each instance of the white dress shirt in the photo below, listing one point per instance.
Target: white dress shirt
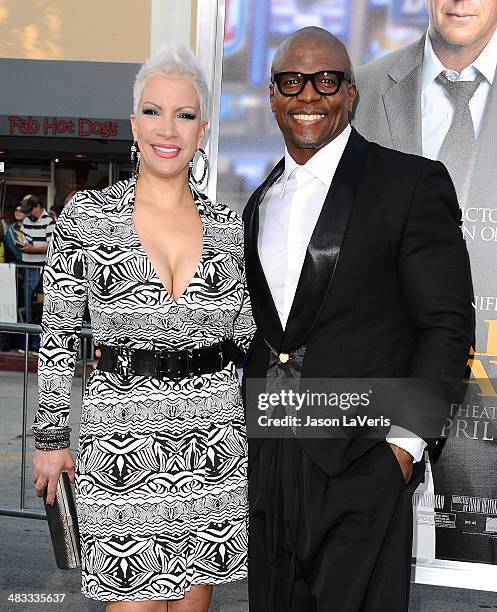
(287, 218)
(288, 215)
(437, 111)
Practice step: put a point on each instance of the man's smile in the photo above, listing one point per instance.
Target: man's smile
(307, 118)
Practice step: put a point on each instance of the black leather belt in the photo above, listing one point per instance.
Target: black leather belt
(163, 364)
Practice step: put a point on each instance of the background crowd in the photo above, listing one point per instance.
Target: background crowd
(24, 242)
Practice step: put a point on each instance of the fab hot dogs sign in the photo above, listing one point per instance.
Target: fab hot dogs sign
(65, 127)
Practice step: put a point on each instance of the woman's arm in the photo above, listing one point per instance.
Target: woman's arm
(244, 325)
(65, 295)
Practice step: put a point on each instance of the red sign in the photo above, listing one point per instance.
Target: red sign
(53, 126)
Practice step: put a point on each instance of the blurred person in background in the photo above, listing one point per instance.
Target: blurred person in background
(13, 253)
(2, 242)
(4, 339)
(161, 469)
(55, 211)
(37, 229)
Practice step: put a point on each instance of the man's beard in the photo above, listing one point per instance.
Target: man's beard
(310, 141)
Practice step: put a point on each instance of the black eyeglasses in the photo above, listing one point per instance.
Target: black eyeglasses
(325, 82)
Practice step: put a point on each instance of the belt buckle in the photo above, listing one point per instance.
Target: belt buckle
(166, 373)
(123, 360)
(159, 356)
(184, 362)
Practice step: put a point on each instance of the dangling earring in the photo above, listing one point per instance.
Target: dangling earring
(135, 159)
(206, 168)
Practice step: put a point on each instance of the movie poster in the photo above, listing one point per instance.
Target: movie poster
(404, 105)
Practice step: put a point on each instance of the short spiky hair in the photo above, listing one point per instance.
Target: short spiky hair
(176, 61)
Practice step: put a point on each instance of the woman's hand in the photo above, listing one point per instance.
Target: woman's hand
(47, 467)
(98, 354)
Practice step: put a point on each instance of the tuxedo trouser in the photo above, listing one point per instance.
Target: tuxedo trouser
(320, 543)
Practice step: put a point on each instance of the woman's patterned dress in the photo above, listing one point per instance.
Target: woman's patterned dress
(161, 466)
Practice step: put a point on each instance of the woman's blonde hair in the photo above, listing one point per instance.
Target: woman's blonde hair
(173, 60)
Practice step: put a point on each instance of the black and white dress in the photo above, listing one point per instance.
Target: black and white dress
(161, 466)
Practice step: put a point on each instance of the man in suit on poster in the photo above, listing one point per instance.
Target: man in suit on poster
(356, 268)
(438, 98)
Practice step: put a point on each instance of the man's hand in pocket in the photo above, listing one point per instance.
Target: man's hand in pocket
(405, 460)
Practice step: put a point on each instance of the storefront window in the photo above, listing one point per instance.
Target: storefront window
(123, 172)
(72, 176)
(25, 168)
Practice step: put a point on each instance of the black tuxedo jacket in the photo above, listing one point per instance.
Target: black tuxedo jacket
(385, 289)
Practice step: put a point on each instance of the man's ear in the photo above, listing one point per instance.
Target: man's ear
(271, 97)
(352, 95)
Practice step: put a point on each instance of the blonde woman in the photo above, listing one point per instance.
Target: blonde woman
(161, 467)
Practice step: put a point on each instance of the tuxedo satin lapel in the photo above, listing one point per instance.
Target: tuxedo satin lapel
(324, 247)
(264, 310)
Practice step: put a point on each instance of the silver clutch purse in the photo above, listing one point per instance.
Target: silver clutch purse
(63, 525)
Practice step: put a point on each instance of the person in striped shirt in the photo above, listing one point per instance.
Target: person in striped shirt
(37, 229)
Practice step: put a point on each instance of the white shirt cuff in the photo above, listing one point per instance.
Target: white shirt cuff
(410, 442)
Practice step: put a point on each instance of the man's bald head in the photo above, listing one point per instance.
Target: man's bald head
(307, 38)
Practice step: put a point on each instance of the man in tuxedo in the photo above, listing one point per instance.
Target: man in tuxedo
(356, 268)
(438, 97)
